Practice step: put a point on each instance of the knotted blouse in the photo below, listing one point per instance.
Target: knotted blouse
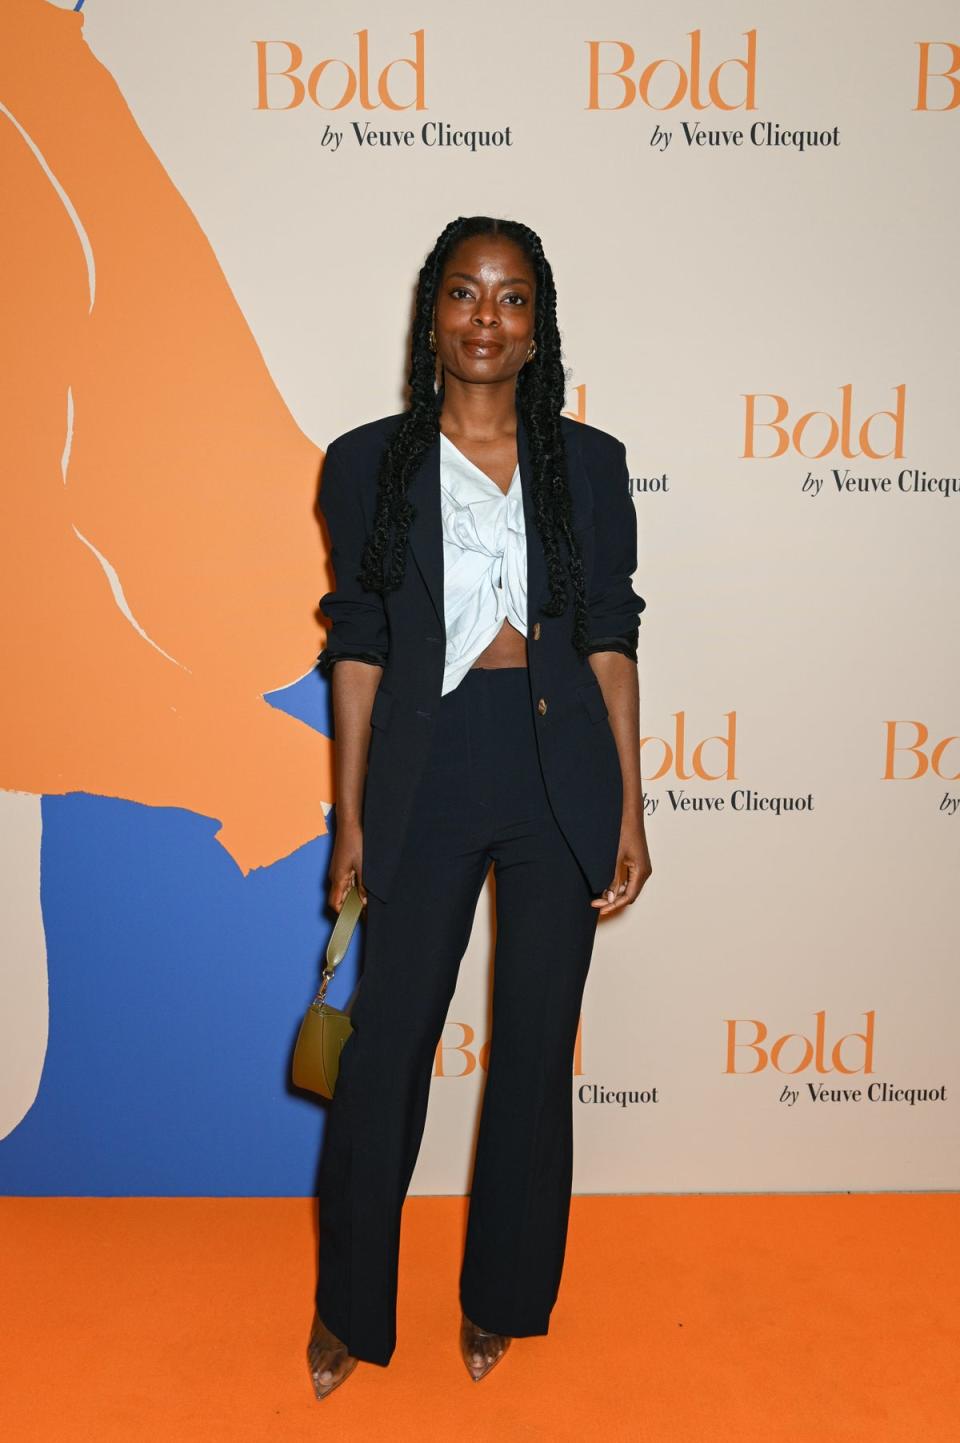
(484, 559)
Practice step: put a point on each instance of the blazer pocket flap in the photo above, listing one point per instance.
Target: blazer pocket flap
(382, 707)
(592, 698)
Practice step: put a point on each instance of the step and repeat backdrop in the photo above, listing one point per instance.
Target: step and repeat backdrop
(214, 218)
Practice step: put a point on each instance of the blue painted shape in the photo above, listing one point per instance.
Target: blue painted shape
(176, 991)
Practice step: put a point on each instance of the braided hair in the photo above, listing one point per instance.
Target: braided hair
(540, 395)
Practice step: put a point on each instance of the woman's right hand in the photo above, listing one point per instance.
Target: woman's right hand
(346, 864)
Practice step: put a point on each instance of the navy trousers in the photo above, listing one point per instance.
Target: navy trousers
(481, 800)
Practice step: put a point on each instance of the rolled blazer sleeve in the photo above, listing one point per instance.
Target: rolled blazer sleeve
(613, 607)
(359, 631)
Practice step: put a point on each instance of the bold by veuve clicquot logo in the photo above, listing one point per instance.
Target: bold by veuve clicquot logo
(773, 426)
(462, 1054)
(685, 757)
(911, 754)
(284, 81)
(942, 82)
(751, 1048)
(618, 78)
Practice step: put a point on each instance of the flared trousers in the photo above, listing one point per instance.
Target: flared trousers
(481, 801)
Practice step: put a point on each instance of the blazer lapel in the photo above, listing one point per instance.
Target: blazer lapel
(536, 561)
(425, 536)
(426, 529)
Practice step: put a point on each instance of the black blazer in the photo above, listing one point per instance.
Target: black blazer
(404, 631)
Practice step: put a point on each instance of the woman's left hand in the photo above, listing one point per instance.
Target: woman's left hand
(632, 869)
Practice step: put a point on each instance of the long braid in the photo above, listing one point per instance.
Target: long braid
(541, 388)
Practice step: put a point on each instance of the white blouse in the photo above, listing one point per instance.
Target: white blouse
(484, 559)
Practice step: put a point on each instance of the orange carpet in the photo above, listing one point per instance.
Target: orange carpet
(807, 1319)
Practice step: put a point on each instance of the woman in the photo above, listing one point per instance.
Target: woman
(486, 709)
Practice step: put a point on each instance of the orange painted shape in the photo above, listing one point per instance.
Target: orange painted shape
(159, 588)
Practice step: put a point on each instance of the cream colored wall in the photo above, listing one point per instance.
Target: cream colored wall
(816, 628)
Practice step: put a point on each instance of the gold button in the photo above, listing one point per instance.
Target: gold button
(536, 631)
(541, 706)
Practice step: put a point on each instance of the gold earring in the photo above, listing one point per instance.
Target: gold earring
(532, 351)
(432, 340)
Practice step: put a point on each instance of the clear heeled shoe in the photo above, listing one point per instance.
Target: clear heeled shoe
(479, 1349)
(330, 1362)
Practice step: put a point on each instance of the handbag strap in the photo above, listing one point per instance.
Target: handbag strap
(343, 928)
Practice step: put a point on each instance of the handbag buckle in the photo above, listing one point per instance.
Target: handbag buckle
(318, 1000)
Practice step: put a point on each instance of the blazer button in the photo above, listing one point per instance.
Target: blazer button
(541, 706)
(536, 631)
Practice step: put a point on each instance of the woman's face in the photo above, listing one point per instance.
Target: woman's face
(484, 315)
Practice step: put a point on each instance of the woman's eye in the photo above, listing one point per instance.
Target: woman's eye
(458, 291)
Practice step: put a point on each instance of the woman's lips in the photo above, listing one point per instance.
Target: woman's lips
(482, 348)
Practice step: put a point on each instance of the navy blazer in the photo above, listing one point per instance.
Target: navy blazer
(404, 631)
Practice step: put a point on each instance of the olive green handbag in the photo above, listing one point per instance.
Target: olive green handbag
(324, 1029)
